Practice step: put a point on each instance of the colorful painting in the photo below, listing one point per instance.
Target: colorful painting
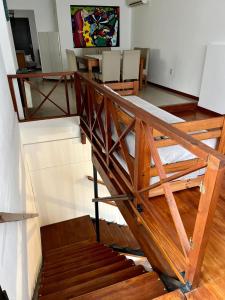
(95, 26)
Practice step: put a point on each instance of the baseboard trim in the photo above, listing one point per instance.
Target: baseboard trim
(174, 91)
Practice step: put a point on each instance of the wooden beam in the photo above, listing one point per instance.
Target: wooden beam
(176, 176)
(113, 198)
(177, 186)
(98, 181)
(13, 217)
(169, 194)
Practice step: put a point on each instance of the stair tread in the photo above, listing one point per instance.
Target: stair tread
(118, 235)
(74, 246)
(80, 278)
(72, 252)
(133, 244)
(66, 233)
(73, 258)
(95, 284)
(105, 234)
(70, 266)
(82, 269)
(142, 287)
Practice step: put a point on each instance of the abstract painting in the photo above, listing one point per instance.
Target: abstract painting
(95, 26)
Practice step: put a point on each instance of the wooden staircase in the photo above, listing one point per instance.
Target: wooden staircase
(86, 269)
(113, 234)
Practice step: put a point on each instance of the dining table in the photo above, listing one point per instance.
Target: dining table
(95, 60)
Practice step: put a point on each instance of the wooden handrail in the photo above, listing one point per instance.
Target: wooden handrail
(182, 138)
(40, 75)
(14, 217)
(25, 80)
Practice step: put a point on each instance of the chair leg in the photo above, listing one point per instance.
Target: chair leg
(145, 80)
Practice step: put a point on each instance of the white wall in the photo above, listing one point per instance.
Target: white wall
(59, 171)
(44, 11)
(65, 27)
(20, 251)
(33, 30)
(177, 32)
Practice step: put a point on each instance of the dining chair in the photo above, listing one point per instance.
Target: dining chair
(71, 63)
(90, 51)
(71, 60)
(145, 54)
(101, 49)
(110, 67)
(131, 64)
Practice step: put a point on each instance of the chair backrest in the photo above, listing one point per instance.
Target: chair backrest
(131, 64)
(145, 54)
(111, 61)
(90, 51)
(102, 49)
(71, 60)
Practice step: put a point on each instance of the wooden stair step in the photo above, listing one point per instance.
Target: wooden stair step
(67, 232)
(118, 236)
(142, 287)
(73, 258)
(82, 269)
(132, 242)
(95, 284)
(71, 252)
(80, 278)
(67, 248)
(70, 266)
(105, 234)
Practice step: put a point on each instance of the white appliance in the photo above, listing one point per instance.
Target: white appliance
(133, 3)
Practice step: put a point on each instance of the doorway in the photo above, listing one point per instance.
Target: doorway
(25, 39)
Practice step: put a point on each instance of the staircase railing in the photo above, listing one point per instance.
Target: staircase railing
(39, 96)
(100, 118)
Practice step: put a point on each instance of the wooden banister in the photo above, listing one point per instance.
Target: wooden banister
(27, 80)
(14, 217)
(129, 172)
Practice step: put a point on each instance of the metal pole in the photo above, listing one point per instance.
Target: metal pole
(96, 204)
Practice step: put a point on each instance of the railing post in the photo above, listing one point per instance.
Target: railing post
(96, 204)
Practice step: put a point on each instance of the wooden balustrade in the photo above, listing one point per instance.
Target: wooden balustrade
(107, 119)
(55, 80)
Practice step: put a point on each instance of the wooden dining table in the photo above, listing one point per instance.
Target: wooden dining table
(91, 61)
